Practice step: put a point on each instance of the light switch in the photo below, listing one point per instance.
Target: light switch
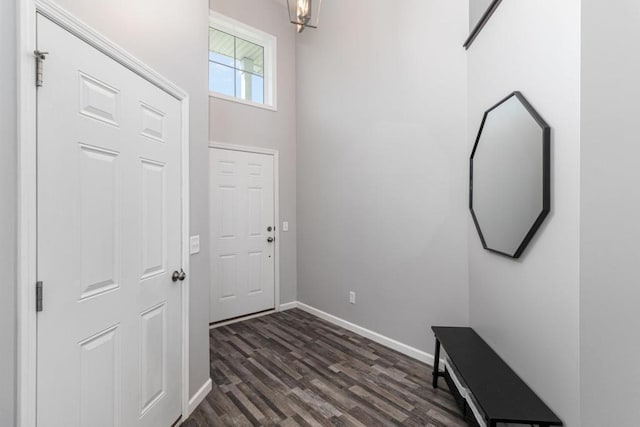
(194, 245)
(285, 226)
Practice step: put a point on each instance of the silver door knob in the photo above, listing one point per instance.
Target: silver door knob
(270, 239)
(178, 275)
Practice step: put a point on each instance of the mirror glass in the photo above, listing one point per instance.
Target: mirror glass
(510, 176)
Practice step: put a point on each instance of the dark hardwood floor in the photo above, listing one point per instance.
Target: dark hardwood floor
(294, 369)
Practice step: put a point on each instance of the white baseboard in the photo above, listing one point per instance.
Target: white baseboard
(197, 398)
(288, 305)
(405, 349)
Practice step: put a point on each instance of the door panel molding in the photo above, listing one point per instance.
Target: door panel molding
(27, 190)
(276, 200)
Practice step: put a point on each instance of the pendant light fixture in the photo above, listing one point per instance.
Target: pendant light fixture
(304, 13)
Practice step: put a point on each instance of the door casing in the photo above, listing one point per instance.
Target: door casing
(276, 206)
(27, 190)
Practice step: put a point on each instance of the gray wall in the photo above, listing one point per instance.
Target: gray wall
(235, 123)
(610, 212)
(382, 165)
(8, 161)
(528, 309)
(171, 37)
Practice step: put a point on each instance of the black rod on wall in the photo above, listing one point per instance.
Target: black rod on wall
(482, 22)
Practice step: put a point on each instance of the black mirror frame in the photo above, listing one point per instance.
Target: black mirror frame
(546, 175)
(481, 23)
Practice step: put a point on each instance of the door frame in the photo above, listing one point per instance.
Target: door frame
(27, 191)
(276, 203)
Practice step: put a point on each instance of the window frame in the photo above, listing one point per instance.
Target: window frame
(269, 42)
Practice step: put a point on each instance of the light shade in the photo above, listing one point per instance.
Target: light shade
(304, 13)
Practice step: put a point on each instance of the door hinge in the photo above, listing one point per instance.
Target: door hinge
(38, 297)
(40, 57)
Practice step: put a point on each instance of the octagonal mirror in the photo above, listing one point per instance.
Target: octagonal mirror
(509, 191)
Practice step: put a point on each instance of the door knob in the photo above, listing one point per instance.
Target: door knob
(178, 275)
(270, 239)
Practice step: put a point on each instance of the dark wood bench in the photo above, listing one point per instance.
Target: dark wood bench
(483, 384)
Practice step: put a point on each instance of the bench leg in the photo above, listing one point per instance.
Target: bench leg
(436, 365)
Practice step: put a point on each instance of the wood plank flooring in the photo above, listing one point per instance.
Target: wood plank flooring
(294, 369)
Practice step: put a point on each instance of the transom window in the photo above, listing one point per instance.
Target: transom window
(241, 62)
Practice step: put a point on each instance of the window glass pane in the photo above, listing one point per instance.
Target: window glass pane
(221, 47)
(249, 87)
(258, 89)
(221, 79)
(249, 57)
(221, 59)
(237, 65)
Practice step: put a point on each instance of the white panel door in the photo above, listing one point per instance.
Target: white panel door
(242, 233)
(109, 238)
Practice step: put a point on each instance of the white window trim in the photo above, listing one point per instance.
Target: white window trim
(253, 35)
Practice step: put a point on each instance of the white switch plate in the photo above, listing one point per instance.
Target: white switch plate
(285, 226)
(352, 297)
(194, 247)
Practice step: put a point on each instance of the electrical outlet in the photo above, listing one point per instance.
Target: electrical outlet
(352, 297)
(194, 245)
(285, 226)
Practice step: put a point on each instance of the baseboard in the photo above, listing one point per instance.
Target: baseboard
(288, 305)
(405, 349)
(197, 398)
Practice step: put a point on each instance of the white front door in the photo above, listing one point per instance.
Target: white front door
(109, 238)
(242, 233)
